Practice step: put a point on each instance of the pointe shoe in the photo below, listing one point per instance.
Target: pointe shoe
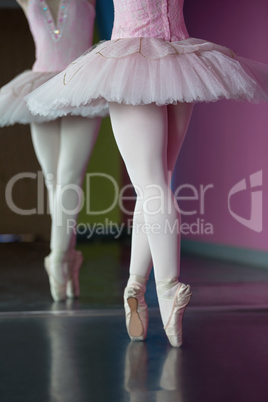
(173, 328)
(57, 285)
(72, 285)
(136, 312)
(67, 285)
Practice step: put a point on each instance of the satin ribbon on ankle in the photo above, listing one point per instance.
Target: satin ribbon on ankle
(164, 285)
(137, 279)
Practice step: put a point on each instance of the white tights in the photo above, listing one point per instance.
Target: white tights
(63, 148)
(149, 139)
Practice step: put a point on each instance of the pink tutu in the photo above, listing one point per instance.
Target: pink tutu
(138, 71)
(13, 107)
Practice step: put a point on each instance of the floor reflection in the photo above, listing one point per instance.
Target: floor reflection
(67, 357)
(79, 350)
(64, 378)
(136, 371)
(166, 387)
(85, 356)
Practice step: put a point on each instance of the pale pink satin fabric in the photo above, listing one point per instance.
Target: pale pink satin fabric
(76, 38)
(149, 18)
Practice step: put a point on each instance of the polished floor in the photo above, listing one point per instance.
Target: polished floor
(79, 351)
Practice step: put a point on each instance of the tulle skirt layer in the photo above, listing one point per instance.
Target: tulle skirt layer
(13, 107)
(138, 71)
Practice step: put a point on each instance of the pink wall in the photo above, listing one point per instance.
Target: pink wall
(227, 141)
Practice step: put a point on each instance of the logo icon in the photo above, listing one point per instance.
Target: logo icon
(255, 220)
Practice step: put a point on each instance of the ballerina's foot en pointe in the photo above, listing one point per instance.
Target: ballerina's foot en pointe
(63, 273)
(136, 309)
(173, 299)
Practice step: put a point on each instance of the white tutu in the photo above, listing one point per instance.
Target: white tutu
(13, 107)
(137, 71)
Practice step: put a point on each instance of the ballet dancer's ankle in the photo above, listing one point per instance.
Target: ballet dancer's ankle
(137, 279)
(166, 288)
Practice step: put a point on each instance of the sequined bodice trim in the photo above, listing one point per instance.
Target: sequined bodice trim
(58, 42)
(55, 28)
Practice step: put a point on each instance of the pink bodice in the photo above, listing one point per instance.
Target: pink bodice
(58, 43)
(149, 18)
